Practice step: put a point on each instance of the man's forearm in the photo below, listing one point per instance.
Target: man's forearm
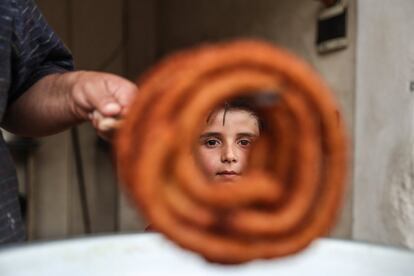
(45, 108)
(59, 101)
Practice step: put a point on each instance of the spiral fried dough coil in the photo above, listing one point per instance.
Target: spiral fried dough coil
(293, 187)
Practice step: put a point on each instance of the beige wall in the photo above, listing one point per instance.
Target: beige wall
(384, 190)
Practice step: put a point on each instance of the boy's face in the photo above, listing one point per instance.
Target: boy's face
(223, 148)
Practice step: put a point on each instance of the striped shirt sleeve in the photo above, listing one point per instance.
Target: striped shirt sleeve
(36, 49)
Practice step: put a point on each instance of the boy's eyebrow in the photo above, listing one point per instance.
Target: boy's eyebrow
(248, 134)
(210, 134)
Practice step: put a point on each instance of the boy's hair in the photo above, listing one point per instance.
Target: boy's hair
(239, 103)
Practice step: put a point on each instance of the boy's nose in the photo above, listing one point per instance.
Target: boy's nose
(228, 155)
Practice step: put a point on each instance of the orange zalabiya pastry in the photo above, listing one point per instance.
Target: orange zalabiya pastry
(294, 184)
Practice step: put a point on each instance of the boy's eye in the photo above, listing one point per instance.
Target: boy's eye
(244, 142)
(211, 143)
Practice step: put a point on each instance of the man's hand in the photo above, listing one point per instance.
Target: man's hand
(102, 98)
(59, 101)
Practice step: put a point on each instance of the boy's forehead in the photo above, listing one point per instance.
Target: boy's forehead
(231, 118)
(218, 115)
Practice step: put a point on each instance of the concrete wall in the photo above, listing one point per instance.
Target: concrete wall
(384, 188)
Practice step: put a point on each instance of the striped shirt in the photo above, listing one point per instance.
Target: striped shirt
(29, 50)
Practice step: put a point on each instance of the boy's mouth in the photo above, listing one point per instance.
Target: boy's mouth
(227, 174)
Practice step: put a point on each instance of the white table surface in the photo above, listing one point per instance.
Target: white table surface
(151, 254)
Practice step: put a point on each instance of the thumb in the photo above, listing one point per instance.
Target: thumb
(104, 101)
(104, 124)
(109, 107)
